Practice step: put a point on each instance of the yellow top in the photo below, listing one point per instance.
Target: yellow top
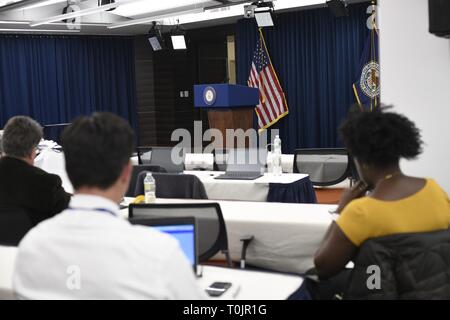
(426, 210)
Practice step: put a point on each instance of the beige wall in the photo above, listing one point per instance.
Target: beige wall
(415, 76)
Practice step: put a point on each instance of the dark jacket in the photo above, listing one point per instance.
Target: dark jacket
(412, 266)
(23, 186)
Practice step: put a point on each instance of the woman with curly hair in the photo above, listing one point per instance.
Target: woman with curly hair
(386, 201)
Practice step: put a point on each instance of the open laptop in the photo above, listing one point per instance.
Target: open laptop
(181, 228)
(243, 164)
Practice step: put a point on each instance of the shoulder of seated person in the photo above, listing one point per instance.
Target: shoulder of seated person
(44, 175)
(357, 205)
(431, 182)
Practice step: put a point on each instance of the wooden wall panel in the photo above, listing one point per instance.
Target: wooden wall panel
(160, 76)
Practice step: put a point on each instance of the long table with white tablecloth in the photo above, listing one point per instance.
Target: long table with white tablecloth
(289, 187)
(286, 235)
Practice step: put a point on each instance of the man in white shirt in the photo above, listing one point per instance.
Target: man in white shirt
(88, 251)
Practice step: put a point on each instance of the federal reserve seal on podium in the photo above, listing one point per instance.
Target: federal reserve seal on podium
(209, 96)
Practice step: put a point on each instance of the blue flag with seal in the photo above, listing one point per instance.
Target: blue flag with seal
(367, 84)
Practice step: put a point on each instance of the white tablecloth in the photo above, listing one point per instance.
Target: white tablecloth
(242, 190)
(245, 190)
(54, 162)
(286, 235)
(251, 285)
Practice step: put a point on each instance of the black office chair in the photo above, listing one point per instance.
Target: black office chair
(411, 265)
(308, 161)
(1, 148)
(163, 157)
(14, 225)
(173, 186)
(135, 173)
(54, 131)
(220, 159)
(144, 155)
(212, 232)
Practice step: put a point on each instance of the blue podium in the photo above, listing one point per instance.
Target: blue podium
(229, 106)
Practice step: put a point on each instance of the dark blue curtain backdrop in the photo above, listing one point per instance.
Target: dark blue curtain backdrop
(316, 57)
(56, 78)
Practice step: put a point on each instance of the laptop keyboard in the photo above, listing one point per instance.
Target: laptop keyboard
(240, 175)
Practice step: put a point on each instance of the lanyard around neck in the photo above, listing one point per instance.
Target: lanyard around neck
(94, 209)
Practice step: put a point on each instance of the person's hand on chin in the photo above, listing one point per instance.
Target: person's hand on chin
(348, 195)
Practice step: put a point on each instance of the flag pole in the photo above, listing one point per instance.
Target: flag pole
(373, 54)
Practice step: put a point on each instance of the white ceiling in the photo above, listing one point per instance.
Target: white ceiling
(167, 12)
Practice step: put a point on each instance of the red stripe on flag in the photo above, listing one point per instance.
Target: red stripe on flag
(275, 101)
(266, 104)
(280, 91)
(271, 101)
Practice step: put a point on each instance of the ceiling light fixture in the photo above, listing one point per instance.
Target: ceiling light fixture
(262, 11)
(178, 37)
(158, 16)
(80, 13)
(155, 38)
(39, 30)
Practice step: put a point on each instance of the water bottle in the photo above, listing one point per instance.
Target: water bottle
(277, 170)
(149, 188)
(270, 162)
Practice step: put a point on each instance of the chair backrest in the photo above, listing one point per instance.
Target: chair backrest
(220, 159)
(212, 232)
(14, 225)
(409, 266)
(1, 145)
(135, 173)
(162, 156)
(325, 167)
(54, 131)
(176, 186)
(144, 154)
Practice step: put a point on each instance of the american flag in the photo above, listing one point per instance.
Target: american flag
(272, 102)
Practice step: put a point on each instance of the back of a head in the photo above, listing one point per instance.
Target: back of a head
(97, 148)
(21, 134)
(381, 138)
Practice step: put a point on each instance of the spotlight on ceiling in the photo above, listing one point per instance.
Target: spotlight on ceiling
(155, 38)
(178, 37)
(338, 8)
(249, 11)
(264, 19)
(262, 11)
